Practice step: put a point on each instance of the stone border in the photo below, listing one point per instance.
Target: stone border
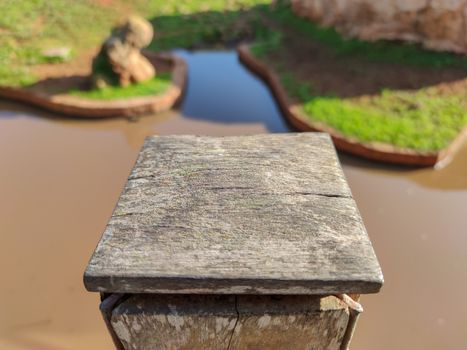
(374, 151)
(90, 108)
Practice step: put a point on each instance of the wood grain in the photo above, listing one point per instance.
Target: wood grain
(230, 322)
(264, 214)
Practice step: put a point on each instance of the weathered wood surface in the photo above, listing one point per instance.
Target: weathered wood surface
(229, 322)
(265, 214)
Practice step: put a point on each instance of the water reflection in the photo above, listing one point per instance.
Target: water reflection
(221, 90)
(450, 177)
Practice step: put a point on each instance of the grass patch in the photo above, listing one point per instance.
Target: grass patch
(189, 24)
(419, 120)
(151, 87)
(29, 27)
(426, 119)
(378, 51)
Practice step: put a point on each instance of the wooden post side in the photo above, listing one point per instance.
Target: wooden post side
(230, 322)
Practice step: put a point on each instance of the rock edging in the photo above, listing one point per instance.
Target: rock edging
(89, 108)
(374, 151)
(435, 24)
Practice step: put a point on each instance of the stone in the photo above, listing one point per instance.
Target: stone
(435, 24)
(57, 53)
(120, 61)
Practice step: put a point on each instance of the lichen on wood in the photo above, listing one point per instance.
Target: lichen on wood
(264, 214)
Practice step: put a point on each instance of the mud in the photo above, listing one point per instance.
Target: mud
(350, 76)
(60, 178)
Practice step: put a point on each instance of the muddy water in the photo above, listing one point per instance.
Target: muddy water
(59, 181)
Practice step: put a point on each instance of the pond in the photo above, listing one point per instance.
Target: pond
(60, 178)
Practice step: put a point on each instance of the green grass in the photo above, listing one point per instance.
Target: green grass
(29, 27)
(417, 120)
(423, 120)
(187, 24)
(379, 51)
(151, 87)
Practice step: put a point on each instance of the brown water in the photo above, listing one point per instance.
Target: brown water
(60, 178)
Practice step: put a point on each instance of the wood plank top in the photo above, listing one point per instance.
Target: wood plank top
(263, 214)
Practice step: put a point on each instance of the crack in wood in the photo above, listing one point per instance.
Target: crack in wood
(236, 323)
(286, 225)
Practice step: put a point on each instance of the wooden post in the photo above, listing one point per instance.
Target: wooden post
(247, 242)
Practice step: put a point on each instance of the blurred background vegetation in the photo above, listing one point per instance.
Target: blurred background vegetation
(424, 119)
